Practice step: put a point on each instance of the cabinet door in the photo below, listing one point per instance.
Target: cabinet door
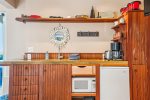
(137, 38)
(140, 82)
(57, 82)
(147, 24)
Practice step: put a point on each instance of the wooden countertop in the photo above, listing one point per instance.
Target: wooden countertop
(66, 61)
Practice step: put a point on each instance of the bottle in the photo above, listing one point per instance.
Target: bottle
(92, 15)
(46, 55)
(98, 16)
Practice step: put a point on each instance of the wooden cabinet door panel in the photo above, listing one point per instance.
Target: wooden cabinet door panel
(57, 82)
(25, 90)
(25, 97)
(137, 37)
(140, 82)
(26, 70)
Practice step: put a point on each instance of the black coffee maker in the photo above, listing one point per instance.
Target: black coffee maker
(117, 52)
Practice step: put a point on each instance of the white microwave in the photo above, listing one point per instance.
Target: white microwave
(83, 84)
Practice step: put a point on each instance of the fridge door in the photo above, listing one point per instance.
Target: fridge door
(114, 83)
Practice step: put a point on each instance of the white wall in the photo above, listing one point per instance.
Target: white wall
(20, 36)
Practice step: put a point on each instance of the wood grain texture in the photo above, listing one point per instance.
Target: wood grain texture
(140, 82)
(147, 31)
(137, 55)
(66, 55)
(137, 37)
(57, 82)
(97, 82)
(83, 94)
(25, 82)
(67, 20)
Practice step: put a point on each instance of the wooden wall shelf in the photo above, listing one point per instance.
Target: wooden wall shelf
(67, 20)
(83, 94)
(118, 26)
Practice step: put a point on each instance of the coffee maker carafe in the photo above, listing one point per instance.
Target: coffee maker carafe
(116, 50)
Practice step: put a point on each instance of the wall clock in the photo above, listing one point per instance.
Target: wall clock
(59, 36)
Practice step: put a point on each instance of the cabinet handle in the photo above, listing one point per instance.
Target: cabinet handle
(24, 98)
(135, 70)
(82, 66)
(25, 89)
(26, 79)
(26, 67)
(44, 70)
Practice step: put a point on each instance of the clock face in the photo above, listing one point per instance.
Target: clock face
(59, 36)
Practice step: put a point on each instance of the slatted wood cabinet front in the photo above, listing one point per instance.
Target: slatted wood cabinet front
(25, 84)
(40, 82)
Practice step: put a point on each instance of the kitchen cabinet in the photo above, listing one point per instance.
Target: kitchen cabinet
(25, 82)
(147, 24)
(40, 82)
(140, 82)
(137, 38)
(136, 51)
(57, 82)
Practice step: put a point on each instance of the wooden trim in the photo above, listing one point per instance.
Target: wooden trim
(83, 75)
(66, 55)
(10, 82)
(83, 94)
(131, 82)
(66, 20)
(97, 82)
(41, 77)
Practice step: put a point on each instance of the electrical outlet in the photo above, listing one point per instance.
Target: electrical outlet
(30, 49)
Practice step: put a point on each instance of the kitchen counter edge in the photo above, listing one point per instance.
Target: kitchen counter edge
(66, 61)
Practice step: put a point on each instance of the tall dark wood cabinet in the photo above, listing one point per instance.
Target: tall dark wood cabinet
(134, 44)
(137, 55)
(147, 26)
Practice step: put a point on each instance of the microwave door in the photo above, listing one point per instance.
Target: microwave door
(81, 85)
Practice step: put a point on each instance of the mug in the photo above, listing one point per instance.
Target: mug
(116, 23)
(122, 20)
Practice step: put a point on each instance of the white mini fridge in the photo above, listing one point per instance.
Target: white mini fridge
(114, 83)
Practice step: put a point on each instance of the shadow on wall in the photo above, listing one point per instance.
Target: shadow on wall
(18, 2)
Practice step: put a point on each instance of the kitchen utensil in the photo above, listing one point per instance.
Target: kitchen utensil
(34, 16)
(115, 46)
(129, 6)
(108, 55)
(136, 5)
